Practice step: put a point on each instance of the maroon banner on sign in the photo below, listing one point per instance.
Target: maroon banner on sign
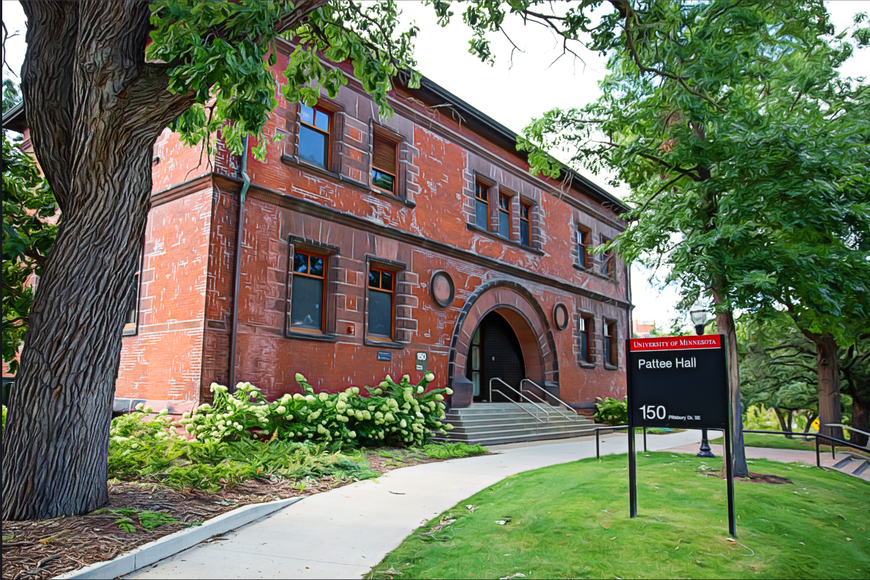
(676, 343)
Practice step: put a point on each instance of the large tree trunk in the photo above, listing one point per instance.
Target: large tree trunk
(828, 368)
(725, 323)
(860, 420)
(94, 108)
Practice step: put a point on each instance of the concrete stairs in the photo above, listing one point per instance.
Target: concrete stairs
(497, 423)
(852, 463)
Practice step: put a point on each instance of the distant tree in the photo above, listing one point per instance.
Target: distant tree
(745, 152)
(855, 369)
(30, 224)
(777, 369)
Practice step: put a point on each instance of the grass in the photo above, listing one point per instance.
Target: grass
(571, 521)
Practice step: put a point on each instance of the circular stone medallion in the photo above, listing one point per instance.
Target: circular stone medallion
(560, 316)
(441, 287)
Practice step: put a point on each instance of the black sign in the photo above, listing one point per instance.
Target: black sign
(678, 382)
(385, 355)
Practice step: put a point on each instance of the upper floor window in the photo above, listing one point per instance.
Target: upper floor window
(307, 311)
(504, 216)
(381, 304)
(583, 257)
(610, 350)
(384, 165)
(314, 135)
(608, 262)
(481, 205)
(525, 224)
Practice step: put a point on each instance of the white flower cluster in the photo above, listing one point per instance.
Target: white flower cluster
(393, 413)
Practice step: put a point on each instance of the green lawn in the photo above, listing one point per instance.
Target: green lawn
(571, 521)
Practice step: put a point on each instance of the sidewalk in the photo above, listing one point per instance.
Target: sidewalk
(344, 532)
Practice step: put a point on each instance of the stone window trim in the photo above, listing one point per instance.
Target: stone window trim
(397, 269)
(293, 126)
(334, 173)
(494, 235)
(582, 243)
(403, 159)
(610, 324)
(131, 323)
(494, 192)
(589, 317)
(330, 252)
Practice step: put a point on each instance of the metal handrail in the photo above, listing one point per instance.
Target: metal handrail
(560, 401)
(837, 425)
(532, 415)
(557, 410)
(522, 396)
(613, 428)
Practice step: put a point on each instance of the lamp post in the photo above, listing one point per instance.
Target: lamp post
(698, 314)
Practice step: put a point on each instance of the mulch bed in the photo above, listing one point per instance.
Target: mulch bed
(47, 548)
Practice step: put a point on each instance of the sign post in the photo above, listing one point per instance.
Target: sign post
(678, 382)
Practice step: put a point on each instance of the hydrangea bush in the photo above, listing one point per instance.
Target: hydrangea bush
(392, 414)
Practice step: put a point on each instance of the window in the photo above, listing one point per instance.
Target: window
(384, 166)
(608, 262)
(584, 328)
(132, 319)
(381, 303)
(583, 257)
(314, 135)
(481, 206)
(525, 224)
(610, 350)
(307, 311)
(504, 216)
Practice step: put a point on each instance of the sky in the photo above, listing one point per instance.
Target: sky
(519, 87)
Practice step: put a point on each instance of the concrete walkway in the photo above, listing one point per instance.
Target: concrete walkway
(343, 533)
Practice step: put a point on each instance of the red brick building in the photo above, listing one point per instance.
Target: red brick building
(364, 241)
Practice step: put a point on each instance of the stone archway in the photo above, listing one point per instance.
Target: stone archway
(528, 321)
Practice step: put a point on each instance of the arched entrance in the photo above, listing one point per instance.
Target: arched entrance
(517, 309)
(495, 353)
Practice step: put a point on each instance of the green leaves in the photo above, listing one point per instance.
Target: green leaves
(222, 54)
(30, 223)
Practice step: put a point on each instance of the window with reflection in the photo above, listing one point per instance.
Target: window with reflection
(384, 166)
(504, 216)
(525, 224)
(381, 321)
(314, 135)
(481, 206)
(307, 310)
(583, 258)
(610, 350)
(584, 329)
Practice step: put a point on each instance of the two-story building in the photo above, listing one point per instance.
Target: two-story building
(365, 245)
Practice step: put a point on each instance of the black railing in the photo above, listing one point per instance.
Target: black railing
(612, 428)
(833, 440)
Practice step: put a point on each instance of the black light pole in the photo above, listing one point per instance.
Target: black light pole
(698, 314)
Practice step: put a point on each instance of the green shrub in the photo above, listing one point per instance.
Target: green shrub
(611, 411)
(393, 414)
(4, 419)
(146, 448)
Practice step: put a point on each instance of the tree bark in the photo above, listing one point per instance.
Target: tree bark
(725, 323)
(860, 420)
(828, 369)
(782, 423)
(95, 109)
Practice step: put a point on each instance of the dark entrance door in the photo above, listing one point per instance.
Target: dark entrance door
(495, 352)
